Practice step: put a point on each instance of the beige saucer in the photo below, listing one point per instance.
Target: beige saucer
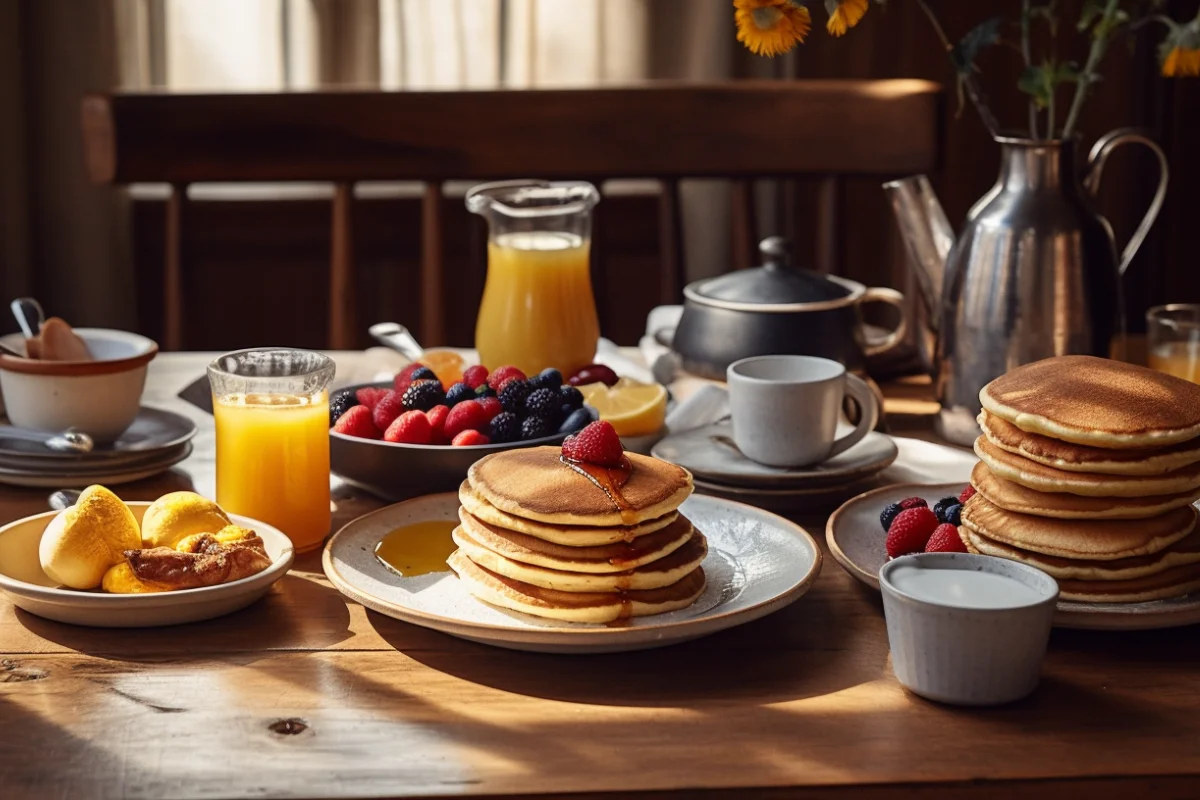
(596, 607)
(1048, 479)
(1097, 402)
(1061, 505)
(1082, 458)
(1099, 540)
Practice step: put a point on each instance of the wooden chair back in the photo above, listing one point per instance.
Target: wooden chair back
(738, 130)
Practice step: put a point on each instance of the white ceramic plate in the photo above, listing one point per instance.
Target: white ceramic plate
(856, 541)
(57, 478)
(710, 453)
(22, 579)
(789, 501)
(757, 563)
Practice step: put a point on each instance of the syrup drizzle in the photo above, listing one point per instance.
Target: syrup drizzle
(609, 480)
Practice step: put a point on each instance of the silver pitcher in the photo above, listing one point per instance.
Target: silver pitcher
(1034, 273)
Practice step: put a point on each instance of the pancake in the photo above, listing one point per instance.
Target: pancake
(1061, 505)
(656, 575)
(1185, 551)
(1098, 540)
(1033, 475)
(596, 607)
(599, 559)
(1174, 582)
(569, 535)
(1082, 458)
(534, 483)
(1097, 402)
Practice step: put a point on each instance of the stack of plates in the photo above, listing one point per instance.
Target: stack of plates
(156, 441)
(721, 470)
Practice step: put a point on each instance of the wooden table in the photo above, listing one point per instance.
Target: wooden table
(308, 695)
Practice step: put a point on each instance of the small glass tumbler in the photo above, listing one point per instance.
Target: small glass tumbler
(1173, 340)
(271, 408)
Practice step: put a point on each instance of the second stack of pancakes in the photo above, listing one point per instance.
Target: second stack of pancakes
(543, 538)
(1089, 468)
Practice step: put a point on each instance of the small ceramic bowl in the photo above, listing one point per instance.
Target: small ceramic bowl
(100, 397)
(967, 629)
(22, 579)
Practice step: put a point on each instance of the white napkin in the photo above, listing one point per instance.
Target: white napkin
(707, 404)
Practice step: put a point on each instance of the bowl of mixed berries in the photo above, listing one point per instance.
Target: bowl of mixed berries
(422, 433)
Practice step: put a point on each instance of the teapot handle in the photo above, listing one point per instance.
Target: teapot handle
(1096, 160)
(878, 294)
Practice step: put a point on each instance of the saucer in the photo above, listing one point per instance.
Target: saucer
(789, 501)
(856, 541)
(757, 563)
(68, 476)
(710, 454)
(154, 431)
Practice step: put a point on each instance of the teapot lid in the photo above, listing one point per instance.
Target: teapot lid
(775, 286)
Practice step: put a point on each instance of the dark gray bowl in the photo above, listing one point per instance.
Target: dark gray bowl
(400, 471)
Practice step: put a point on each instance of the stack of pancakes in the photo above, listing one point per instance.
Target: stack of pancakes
(1089, 470)
(544, 538)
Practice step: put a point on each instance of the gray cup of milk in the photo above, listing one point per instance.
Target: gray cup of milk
(967, 629)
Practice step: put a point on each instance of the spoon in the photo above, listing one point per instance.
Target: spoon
(29, 315)
(397, 337)
(68, 441)
(9, 351)
(63, 499)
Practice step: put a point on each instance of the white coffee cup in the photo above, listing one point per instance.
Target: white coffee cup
(785, 409)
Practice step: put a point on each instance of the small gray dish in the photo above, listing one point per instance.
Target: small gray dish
(967, 629)
(154, 432)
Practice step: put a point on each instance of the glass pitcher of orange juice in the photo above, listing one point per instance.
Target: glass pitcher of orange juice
(271, 410)
(538, 310)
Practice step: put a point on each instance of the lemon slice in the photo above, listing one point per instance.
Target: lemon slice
(633, 408)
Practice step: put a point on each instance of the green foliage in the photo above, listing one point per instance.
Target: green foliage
(1041, 81)
(979, 38)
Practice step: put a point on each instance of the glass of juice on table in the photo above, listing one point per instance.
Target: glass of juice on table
(1173, 340)
(537, 310)
(271, 408)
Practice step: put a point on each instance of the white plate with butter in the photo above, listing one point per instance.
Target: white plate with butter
(29, 588)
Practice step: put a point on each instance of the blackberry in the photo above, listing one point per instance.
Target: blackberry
(570, 396)
(483, 390)
(422, 374)
(423, 395)
(575, 420)
(340, 404)
(954, 514)
(504, 427)
(940, 507)
(889, 514)
(459, 392)
(512, 396)
(543, 402)
(535, 426)
(549, 378)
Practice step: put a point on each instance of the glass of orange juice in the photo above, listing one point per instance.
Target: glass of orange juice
(271, 408)
(1173, 340)
(538, 310)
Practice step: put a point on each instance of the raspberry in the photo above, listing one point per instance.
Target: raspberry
(571, 397)
(512, 396)
(498, 378)
(549, 378)
(491, 405)
(340, 404)
(475, 376)
(386, 410)
(437, 423)
(468, 416)
(505, 427)
(913, 502)
(423, 395)
(357, 422)
(411, 427)
(939, 508)
(910, 530)
(945, 539)
(470, 439)
(575, 420)
(543, 402)
(458, 393)
(598, 443)
(535, 426)
(404, 377)
(967, 494)
(370, 395)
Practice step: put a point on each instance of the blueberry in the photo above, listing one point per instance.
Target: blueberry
(570, 396)
(576, 420)
(548, 378)
(939, 508)
(458, 393)
(888, 515)
(954, 514)
(422, 374)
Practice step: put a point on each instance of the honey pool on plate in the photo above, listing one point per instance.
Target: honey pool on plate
(417, 549)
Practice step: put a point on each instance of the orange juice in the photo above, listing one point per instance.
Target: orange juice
(537, 309)
(1181, 359)
(273, 462)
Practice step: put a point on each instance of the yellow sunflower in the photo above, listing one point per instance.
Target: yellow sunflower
(844, 15)
(771, 27)
(1182, 62)
(1180, 52)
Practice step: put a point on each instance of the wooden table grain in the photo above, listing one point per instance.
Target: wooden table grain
(306, 694)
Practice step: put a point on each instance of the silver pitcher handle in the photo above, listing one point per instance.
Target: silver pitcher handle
(878, 294)
(1099, 156)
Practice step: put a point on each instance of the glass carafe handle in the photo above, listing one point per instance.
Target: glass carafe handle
(1099, 156)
